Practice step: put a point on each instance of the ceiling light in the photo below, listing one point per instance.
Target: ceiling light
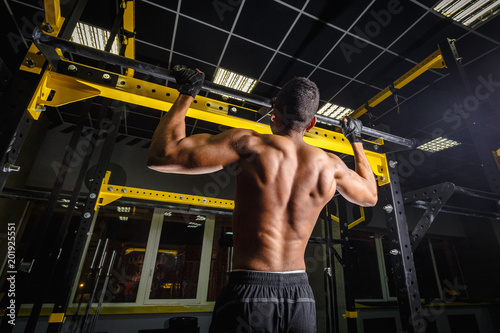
(468, 12)
(232, 80)
(334, 111)
(123, 218)
(438, 144)
(93, 36)
(121, 209)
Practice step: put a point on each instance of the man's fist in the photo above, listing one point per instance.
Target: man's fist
(189, 80)
(351, 128)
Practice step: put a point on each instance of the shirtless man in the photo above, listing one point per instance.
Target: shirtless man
(282, 186)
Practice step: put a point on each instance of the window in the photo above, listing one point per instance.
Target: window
(220, 264)
(160, 257)
(178, 255)
(129, 239)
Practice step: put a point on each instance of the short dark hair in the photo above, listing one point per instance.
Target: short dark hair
(297, 103)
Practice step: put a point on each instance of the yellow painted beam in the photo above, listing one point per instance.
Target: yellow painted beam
(435, 60)
(34, 60)
(129, 26)
(350, 314)
(53, 15)
(70, 89)
(109, 193)
(56, 318)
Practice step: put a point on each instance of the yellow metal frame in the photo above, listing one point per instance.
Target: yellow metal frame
(435, 60)
(496, 157)
(355, 223)
(129, 25)
(70, 89)
(109, 193)
(55, 20)
(56, 318)
(350, 314)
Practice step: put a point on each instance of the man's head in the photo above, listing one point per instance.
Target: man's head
(296, 105)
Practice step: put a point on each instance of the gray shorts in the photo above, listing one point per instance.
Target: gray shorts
(260, 302)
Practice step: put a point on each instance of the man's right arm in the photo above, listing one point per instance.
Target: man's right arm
(357, 186)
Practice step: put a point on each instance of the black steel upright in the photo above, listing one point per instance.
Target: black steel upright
(403, 266)
(64, 294)
(351, 313)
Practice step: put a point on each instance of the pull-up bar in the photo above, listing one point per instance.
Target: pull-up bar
(47, 45)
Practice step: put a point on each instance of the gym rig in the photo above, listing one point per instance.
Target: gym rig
(49, 79)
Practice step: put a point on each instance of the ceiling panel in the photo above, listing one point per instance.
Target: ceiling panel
(265, 22)
(199, 41)
(220, 14)
(245, 58)
(284, 68)
(341, 13)
(328, 83)
(310, 40)
(163, 25)
(350, 56)
(386, 21)
(354, 95)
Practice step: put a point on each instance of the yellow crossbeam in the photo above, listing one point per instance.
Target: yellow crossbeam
(109, 193)
(67, 89)
(435, 60)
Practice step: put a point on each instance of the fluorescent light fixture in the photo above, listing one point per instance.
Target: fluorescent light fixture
(123, 218)
(438, 144)
(93, 36)
(468, 12)
(334, 111)
(232, 80)
(121, 209)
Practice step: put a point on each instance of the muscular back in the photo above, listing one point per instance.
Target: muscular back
(280, 191)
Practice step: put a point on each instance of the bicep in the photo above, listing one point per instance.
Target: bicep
(200, 153)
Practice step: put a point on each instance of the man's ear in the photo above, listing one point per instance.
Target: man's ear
(311, 125)
(273, 113)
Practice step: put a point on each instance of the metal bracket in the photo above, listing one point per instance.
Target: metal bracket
(439, 195)
(354, 223)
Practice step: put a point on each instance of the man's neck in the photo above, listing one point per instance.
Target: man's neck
(293, 135)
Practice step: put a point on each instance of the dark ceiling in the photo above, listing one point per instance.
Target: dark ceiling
(351, 49)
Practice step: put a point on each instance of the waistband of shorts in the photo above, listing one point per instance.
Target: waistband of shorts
(268, 278)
